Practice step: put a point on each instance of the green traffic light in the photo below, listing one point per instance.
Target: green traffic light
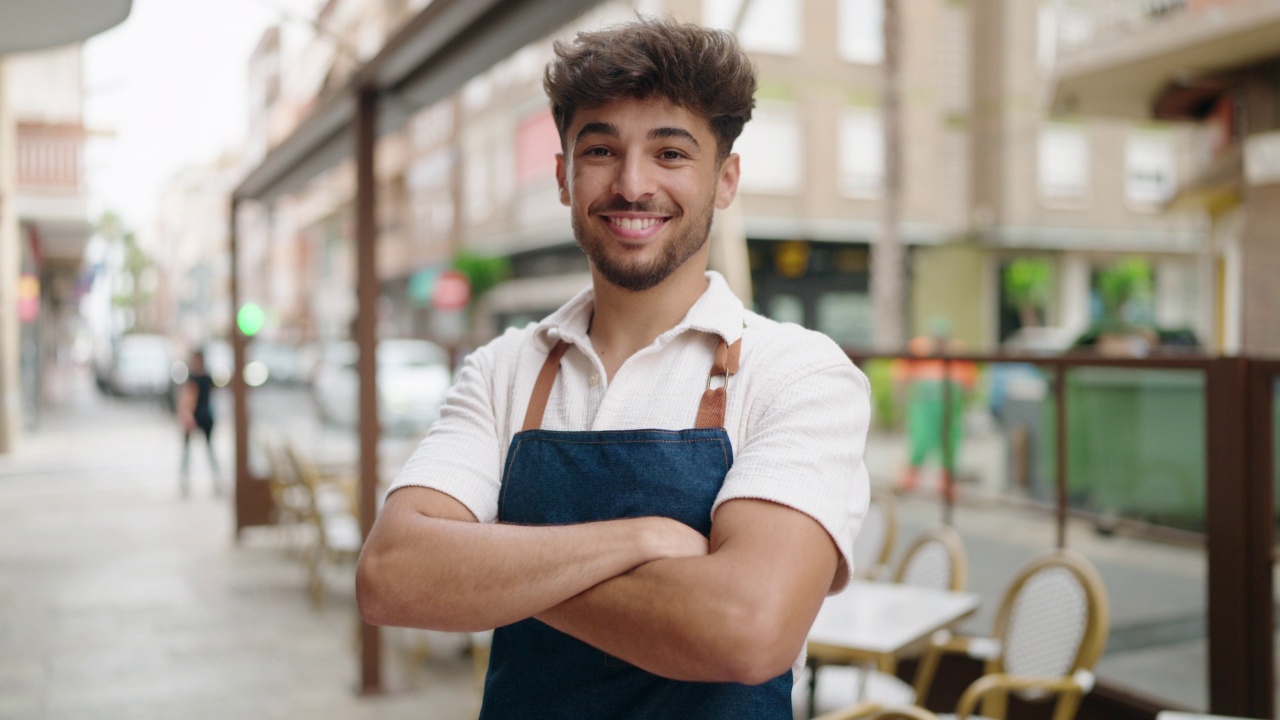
(250, 319)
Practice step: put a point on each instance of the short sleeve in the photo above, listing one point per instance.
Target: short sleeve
(461, 454)
(804, 449)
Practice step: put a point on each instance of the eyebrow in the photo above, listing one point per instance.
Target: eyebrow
(610, 130)
(673, 132)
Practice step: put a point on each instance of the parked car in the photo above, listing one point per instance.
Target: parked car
(413, 376)
(282, 362)
(140, 366)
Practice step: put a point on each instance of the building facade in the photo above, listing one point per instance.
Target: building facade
(47, 208)
(991, 179)
(1212, 65)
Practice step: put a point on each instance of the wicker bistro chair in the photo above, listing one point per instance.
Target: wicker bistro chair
(936, 558)
(874, 544)
(330, 512)
(289, 495)
(1050, 630)
(906, 712)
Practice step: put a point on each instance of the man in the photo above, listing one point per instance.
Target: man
(649, 492)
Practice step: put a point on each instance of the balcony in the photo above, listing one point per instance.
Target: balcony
(51, 197)
(50, 158)
(1124, 58)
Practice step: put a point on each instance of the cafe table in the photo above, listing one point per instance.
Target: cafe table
(872, 623)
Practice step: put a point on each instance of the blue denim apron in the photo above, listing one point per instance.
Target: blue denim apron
(556, 478)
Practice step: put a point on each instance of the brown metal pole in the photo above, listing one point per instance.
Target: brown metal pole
(239, 393)
(1260, 522)
(367, 366)
(1238, 517)
(1060, 459)
(948, 459)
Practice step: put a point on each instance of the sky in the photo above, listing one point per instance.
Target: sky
(165, 89)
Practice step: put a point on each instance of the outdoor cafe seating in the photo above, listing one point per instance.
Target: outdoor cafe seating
(875, 541)
(935, 560)
(1049, 632)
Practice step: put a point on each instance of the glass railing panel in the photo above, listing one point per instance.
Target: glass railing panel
(1130, 433)
(1136, 448)
(1136, 445)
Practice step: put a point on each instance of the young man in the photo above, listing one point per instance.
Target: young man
(649, 492)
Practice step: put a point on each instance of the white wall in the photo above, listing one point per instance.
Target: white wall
(46, 87)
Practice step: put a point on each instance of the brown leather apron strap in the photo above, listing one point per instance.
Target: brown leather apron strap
(711, 409)
(542, 387)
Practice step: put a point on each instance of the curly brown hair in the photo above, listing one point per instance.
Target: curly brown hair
(693, 67)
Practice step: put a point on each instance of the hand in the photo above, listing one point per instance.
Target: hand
(667, 538)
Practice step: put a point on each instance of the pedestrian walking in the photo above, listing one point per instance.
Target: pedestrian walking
(195, 411)
(649, 492)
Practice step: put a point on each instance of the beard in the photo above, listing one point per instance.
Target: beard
(637, 275)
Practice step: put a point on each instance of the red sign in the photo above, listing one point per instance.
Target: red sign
(452, 291)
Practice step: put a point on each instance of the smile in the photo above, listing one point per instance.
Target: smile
(636, 223)
(635, 227)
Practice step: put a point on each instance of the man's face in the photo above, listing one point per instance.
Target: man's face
(642, 181)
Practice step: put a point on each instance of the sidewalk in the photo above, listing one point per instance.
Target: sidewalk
(120, 599)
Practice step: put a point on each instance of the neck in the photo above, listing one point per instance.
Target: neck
(624, 321)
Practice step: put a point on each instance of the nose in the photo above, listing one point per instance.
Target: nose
(634, 179)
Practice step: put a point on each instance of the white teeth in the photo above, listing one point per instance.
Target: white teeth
(634, 223)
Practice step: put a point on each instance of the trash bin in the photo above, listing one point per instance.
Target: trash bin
(1135, 444)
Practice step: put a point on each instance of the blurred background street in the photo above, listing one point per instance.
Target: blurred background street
(121, 599)
(1045, 229)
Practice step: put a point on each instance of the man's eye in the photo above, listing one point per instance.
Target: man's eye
(597, 152)
(671, 155)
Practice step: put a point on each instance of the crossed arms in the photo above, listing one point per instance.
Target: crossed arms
(650, 591)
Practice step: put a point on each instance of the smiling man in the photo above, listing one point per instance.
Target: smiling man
(649, 492)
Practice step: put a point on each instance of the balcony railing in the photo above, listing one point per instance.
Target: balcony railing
(50, 157)
(1085, 23)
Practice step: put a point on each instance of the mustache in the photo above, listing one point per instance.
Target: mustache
(617, 203)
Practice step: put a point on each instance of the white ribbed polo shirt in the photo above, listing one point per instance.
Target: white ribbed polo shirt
(797, 415)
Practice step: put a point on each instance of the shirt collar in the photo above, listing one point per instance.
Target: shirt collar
(717, 311)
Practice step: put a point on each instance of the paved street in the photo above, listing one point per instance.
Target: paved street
(120, 599)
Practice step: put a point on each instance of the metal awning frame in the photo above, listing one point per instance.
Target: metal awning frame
(433, 55)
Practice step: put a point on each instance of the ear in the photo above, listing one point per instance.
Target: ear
(727, 182)
(562, 179)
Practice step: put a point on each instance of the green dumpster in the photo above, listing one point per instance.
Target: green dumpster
(1135, 444)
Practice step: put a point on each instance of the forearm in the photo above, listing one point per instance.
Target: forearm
(738, 614)
(455, 575)
(693, 619)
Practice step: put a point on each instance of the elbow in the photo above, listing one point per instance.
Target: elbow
(758, 647)
(385, 598)
(372, 596)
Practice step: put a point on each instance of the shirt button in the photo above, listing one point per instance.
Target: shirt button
(595, 379)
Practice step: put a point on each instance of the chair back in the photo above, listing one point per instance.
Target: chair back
(1053, 620)
(309, 481)
(909, 712)
(935, 559)
(874, 543)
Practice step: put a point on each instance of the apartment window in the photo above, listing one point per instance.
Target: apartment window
(770, 26)
(433, 125)
(1061, 25)
(1150, 168)
(861, 153)
(489, 170)
(771, 150)
(1063, 171)
(861, 31)
(430, 184)
(537, 143)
